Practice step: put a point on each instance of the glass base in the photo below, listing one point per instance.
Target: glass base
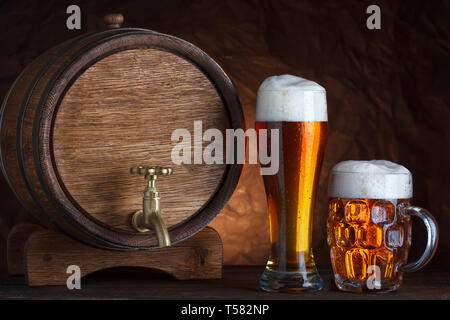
(361, 286)
(290, 282)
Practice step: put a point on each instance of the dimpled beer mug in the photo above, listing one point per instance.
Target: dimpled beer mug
(369, 225)
(295, 109)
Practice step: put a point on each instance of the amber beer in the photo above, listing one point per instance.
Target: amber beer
(297, 109)
(369, 225)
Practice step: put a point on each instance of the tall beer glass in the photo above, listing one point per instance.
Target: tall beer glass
(369, 225)
(296, 108)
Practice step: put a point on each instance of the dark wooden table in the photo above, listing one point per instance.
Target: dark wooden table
(239, 282)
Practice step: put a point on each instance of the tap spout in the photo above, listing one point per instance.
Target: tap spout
(150, 217)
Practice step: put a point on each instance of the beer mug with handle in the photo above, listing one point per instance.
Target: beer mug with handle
(369, 225)
(291, 121)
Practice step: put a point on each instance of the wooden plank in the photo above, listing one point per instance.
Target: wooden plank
(48, 254)
(238, 282)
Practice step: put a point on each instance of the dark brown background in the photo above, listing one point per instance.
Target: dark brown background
(387, 89)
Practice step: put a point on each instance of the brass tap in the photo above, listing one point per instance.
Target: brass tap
(150, 217)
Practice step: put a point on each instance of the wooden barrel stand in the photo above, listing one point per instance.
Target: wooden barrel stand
(43, 256)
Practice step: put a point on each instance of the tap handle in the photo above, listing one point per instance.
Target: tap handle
(151, 172)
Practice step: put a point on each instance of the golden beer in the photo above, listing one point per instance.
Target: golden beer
(291, 113)
(368, 232)
(291, 193)
(369, 225)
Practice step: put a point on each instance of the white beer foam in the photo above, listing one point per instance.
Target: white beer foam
(376, 179)
(291, 98)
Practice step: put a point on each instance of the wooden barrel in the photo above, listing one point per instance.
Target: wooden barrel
(85, 112)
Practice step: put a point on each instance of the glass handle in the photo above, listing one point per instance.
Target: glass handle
(432, 242)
